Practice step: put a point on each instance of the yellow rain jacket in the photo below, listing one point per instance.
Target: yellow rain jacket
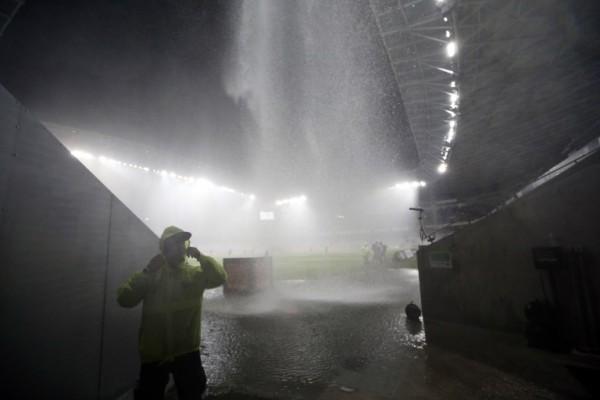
(172, 309)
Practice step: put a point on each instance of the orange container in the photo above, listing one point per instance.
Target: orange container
(248, 275)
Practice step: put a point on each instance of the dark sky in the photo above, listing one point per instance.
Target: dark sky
(139, 69)
(152, 71)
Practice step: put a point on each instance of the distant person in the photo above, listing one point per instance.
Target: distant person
(379, 250)
(171, 289)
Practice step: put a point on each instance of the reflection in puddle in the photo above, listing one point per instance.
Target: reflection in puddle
(303, 335)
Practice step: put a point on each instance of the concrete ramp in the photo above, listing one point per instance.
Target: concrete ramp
(66, 243)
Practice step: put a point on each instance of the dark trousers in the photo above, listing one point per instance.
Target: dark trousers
(188, 374)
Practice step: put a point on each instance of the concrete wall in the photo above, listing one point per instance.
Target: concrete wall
(65, 244)
(493, 275)
(477, 306)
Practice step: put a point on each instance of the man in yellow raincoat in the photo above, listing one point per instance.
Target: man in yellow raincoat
(171, 289)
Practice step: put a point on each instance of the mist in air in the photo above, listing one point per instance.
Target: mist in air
(321, 124)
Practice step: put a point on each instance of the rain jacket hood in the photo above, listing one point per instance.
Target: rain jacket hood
(170, 232)
(172, 303)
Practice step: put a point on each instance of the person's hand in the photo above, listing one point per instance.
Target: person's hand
(194, 252)
(154, 264)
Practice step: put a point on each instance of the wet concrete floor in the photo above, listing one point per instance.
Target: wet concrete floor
(339, 339)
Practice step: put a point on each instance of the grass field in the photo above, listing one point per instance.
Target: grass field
(407, 263)
(321, 265)
(312, 266)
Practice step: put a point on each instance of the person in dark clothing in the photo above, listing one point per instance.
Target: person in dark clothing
(171, 288)
(188, 374)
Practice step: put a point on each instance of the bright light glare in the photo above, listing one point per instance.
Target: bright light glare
(82, 155)
(454, 97)
(448, 71)
(106, 160)
(227, 189)
(292, 200)
(266, 215)
(409, 185)
(204, 184)
(451, 49)
(443, 167)
(451, 135)
(452, 124)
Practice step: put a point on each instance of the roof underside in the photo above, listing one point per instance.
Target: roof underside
(414, 34)
(528, 77)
